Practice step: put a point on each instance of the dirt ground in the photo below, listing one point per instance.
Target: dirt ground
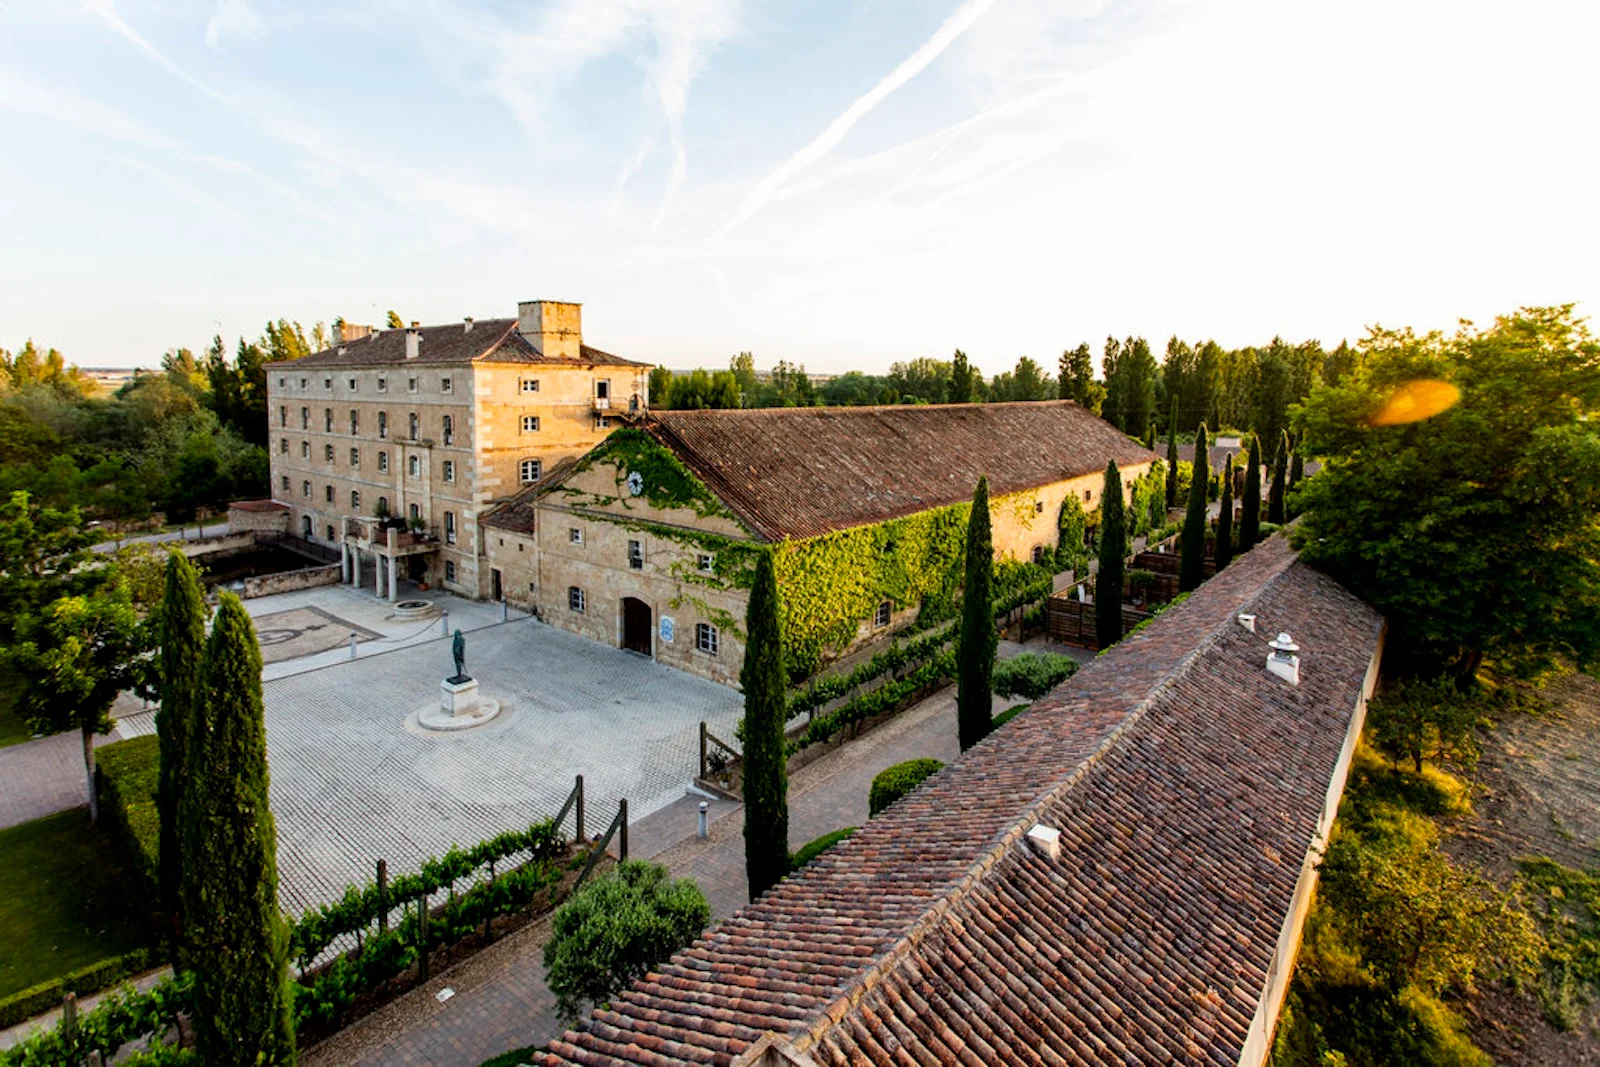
(1537, 793)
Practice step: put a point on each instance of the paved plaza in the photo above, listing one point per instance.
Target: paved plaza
(350, 784)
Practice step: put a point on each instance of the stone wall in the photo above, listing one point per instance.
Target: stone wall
(225, 545)
(241, 520)
(290, 581)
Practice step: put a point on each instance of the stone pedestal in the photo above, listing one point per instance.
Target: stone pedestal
(458, 697)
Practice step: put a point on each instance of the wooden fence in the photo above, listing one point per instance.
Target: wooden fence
(1072, 621)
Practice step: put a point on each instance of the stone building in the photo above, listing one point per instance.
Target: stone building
(646, 542)
(391, 444)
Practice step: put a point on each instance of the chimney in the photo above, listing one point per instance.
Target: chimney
(1248, 622)
(1283, 660)
(468, 321)
(553, 328)
(342, 350)
(1046, 840)
(413, 342)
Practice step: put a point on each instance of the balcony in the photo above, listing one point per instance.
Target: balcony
(602, 403)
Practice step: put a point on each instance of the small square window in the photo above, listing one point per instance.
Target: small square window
(575, 536)
(575, 599)
(280, 381)
(449, 570)
(444, 385)
(880, 618)
(707, 563)
(1038, 507)
(302, 383)
(449, 470)
(530, 470)
(601, 422)
(411, 385)
(636, 555)
(327, 383)
(530, 385)
(1087, 495)
(530, 424)
(706, 638)
(383, 384)
(352, 382)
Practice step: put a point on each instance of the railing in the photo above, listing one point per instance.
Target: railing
(618, 825)
(298, 544)
(707, 739)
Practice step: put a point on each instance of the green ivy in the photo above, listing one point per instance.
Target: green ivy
(668, 484)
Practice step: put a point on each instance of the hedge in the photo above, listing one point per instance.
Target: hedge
(1032, 675)
(1010, 713)
(26, 1003)
(812, 849)
(126, 777)
(120, 1018)
(876, 701)
(892, 783)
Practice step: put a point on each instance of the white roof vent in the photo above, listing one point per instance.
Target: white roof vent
(468, 322)
(1284, 659)
(413, 342)
(1046, 840)
(1248, 622)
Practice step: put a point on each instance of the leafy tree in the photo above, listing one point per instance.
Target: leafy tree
(1280, 470)
(394, 321)
(962, 379)
(1029, 382)
(44, 555)
(1071, 524)
(1474, 529)
(1224, 553)
(1077, 380)
(925, 380)
(617, 929)
(766, 782)
(1113, 555)
(1130, 372)
(1172, 459)
(238, 939)
(978, 639)
(1250, 506)
(744, 372)
(182, 635)
(1191, 567)
(1297, 466)
(1418, 717)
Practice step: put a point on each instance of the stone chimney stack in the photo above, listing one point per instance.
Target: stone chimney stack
(552, 327)
(413, 341)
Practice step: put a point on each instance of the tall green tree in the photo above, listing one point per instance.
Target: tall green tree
(961, 379)
(978, 639)
(1072, 554)
(238, 938)
(1280, 471)
(766, 778)
(1297, 465)
(44, 555)
(1113, 556)
(1130, 372)
(1149, 441)
(394, 321)
(1191, 566)
(1077, 380)
(1250, 506)
(1472, 529)
(1172, 458)
(1224, 553)
(181, 626)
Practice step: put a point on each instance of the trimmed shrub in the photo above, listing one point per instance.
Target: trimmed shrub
(812, 849)
(617, 929)
(1032, 675)
(26, 1003)
(1010, 713)
(892, 783)
(128, 777)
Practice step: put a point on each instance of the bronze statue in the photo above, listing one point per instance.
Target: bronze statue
(458, 649)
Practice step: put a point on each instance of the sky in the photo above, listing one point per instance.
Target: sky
(842, 184)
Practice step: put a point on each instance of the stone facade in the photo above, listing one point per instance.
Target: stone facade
(267, 516)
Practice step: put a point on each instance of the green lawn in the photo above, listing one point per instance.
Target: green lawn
(67, 900)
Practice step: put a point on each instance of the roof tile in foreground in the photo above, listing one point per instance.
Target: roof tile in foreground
(1187, 783)
(794, 473)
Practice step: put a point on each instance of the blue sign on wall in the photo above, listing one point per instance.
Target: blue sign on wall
(666, 628)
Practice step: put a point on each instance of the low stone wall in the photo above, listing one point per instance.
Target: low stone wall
(272, 520)
(212, 546)
(290, 581)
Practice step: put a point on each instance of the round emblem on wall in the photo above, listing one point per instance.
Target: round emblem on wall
(635, 483)
(666, 628)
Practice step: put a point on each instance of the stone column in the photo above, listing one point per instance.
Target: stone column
(394, 576)
(344, 562)
(355, 566)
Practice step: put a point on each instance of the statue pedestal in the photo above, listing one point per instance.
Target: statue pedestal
(458, 697)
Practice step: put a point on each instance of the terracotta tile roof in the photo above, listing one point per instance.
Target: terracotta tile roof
(793, 473)
(1187, 783)
(257, 506)
(518, 513)
(489, 340)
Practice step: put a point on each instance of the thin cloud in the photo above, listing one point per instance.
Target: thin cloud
(957, 24)
(27, 97)
(234, 18)
(108, 14)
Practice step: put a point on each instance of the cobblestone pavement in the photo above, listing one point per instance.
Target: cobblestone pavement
(351, 784)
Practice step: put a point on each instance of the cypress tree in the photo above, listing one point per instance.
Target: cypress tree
(978, 639)
(1150, 437)
(182, 630)
(1225, 518)
(1297, 465)
(239, 941)
(1280, 470)
(766, 775)
(1191, 566)
(1250, 506)
(1113, 552)
(1172, 457)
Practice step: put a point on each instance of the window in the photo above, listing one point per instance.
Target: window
(327, 420)
(705, 638)
(327, 453)
(449, 570)
(327, 383)
(416, 467)
(285, 481)
(302, 383)
(330, 531)
(305, 418)
(283, 446)
(1038, 507)
(530, 385)
(530, 424)
(416, 513)
(305, 488)
(383, 505)
(449, 429)
(1038, 553)
(575, 536)
(280, 381)
(355, 422)
(449, 527)
(1087, 494)
(575, 599)
(283, 415)
(305, 449)
(411, 385)
(355, 457)
(383, 461)
(352, 382)
(636, 555)
(449, 470)
(880, 618)
(383, 424)
(327, 493)
(531, 470)
(412, 425)
(383, 384)
(707, 563)
(355, 500)
(602, 389)
(602, 423)
(444, 385)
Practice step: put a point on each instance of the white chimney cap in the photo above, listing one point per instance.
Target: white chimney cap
(1046, 840)
(1248, 621)
(1284, 645)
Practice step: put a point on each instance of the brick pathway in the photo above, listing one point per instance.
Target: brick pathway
(42, 777)
(501, 1001)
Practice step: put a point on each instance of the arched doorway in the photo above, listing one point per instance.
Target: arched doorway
(637, 624)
